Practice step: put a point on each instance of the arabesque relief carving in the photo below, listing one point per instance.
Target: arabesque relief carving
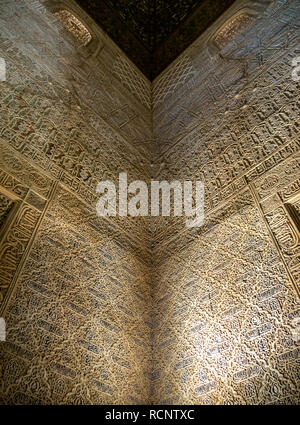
(226, 295)
(144, 310)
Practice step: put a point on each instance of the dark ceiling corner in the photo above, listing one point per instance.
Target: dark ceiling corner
(154, 32)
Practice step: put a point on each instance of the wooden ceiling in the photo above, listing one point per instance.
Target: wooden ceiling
(154, 32)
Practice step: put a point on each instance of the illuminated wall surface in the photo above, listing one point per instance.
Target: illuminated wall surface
(124, 310)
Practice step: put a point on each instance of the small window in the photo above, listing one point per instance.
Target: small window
(293, 209)
(6, 206)
(74, 26)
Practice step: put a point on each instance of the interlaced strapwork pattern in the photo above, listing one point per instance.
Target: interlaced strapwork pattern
(133, 80)
(172, 79)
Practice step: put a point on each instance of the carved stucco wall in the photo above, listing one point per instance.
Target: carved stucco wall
(74, 288)
(225, 296)
(93, 314)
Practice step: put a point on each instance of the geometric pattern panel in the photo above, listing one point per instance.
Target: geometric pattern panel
(93, 315)
(226, 295)
(225, 311)
(75, 324)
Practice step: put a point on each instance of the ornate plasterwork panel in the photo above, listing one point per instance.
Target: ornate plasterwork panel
(177, 77)
(278, 193)
(238, 24)
(229, 80)
(225, 310)
(226, 295)
(93, 314)
(74, 289)
(77, 331)
(64, 124)
(72, 78)
(228, 125)
(76, 28)
(23, 210)
(131, 78)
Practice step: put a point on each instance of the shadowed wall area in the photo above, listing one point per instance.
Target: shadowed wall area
(75, 288)
(145, 310)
